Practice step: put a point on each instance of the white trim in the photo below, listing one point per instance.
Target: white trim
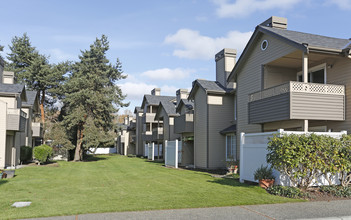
(264, 41)
(314, 69)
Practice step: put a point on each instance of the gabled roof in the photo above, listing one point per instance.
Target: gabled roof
(312, 40)
(137, 109)
(301, 41)
(32, 97)
(212, 87)
(184, 102)
(155, 99)
(12, 90)
(169, 107)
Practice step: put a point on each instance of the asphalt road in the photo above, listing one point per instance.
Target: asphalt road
(340, 209)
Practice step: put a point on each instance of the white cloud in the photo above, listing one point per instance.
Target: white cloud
(136, 90)
(59, 55)
(196, 46)
(243, 8)
(168, 74)
(342, 4)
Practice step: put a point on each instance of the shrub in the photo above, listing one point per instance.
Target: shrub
(303, 158)
(339, 191)
(26, 154)
(263, 173)
(43, 153)
(287, 191)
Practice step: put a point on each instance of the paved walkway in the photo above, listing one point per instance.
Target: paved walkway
(340, 209)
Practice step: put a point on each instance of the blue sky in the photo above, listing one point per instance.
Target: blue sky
(161, 43)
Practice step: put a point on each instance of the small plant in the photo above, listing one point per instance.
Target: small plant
(287, 191)
(43, 153)
(264, 173)
(338, 191)
(232, 165)
(26, 154)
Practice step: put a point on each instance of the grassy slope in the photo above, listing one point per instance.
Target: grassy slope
(117, 183)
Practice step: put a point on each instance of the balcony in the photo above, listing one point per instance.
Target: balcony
(184, 123)
(37, 129)
(148, 117)
(16, 119)
(297, 100)
(157, 134)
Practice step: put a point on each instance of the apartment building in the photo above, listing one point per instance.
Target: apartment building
(292, 80)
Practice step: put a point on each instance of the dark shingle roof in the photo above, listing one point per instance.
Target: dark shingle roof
(11, 88)
(228, 130)
(31, 97)
(310, 39)
(188, 104)
(156, 99)
(212, 86)
(209, 86)
(169, 107)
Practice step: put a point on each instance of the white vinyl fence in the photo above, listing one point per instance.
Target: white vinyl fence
(155, 151)
(173, 153)
(253, 151)
(151, 151)
(106, 150)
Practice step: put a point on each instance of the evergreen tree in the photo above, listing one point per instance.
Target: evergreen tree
(34, 70)
(91, 96)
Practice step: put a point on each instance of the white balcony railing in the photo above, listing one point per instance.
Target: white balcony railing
(298, 87)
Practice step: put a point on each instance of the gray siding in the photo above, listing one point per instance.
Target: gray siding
(317, 106)
(270, 109)
(340, 74)
(200, 129)
(181, 125)
(220, 117)
(249, 79)
(274, 76)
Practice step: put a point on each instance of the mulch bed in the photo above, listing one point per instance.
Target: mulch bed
(49, 164)
(317, 196)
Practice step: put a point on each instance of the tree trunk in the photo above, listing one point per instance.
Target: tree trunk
(42, 107)
(42, 113)
(78, 155)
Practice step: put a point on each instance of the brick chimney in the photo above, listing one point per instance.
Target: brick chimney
(225, 61)
(8, 77)
(156, 92)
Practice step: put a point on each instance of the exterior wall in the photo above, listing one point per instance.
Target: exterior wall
(187, 153)
(11, 101)
(172, 135)
(220, 116)
(139, 130)
(274, 76)
(3, 119)
(200, 129)
(249, 78)
(340, 74)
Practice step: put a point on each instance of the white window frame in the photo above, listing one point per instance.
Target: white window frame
(314, 69)
(233, 151)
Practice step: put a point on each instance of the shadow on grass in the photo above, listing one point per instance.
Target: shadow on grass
(3, 181)
(92, 158)
(232, 182)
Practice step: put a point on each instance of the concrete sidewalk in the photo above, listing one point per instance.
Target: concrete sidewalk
(340, 209)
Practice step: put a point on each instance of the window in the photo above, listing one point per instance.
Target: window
(264, 45)
(317, 74)
(231, 146)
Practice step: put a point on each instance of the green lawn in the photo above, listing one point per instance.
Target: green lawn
(118, 183)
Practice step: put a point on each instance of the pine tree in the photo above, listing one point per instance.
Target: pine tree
(91, 96)
(34, 70)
